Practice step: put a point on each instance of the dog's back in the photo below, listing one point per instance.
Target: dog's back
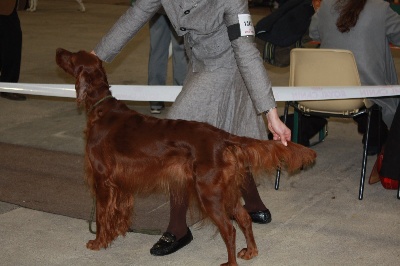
(180, 150)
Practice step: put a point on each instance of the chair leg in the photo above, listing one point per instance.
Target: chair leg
(277, 178)
(278, 171)
(296, 129)
(364, 161)
(321, 135)
(398, 191)
(285, 112)
(379, 110)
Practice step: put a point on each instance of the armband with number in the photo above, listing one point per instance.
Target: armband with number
(242, 29)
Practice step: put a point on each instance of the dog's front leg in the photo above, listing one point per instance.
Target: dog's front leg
(101, 240)
(113, 214)
(106, 230)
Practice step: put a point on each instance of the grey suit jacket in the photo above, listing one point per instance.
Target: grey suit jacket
(203, 23)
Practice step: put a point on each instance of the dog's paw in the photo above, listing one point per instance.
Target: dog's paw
(229, 264)
(93, 245)
(247, 254)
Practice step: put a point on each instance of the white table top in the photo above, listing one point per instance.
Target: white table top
(169, 93)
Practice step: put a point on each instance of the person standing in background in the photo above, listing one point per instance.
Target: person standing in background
(10, 46)
(161, 35)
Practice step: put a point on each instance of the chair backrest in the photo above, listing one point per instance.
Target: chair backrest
(325, 67)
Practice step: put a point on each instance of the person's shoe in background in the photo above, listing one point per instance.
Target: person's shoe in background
(13, 96)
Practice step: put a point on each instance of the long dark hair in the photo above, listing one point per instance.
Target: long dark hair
(349, 10)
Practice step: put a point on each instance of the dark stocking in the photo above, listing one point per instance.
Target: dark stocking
(177, 220)
(251, 196)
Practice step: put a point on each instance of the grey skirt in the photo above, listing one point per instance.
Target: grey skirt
(221, 99)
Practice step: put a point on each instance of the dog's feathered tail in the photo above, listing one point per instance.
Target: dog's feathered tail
(259, 156)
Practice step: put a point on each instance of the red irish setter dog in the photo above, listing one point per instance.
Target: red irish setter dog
(128, 153)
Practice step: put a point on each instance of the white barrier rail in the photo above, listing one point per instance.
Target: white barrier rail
(169, 93)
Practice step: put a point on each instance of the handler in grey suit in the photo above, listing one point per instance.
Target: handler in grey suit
(376, 27)
(226, 85)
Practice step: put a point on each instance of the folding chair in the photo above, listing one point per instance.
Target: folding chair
(326, 67)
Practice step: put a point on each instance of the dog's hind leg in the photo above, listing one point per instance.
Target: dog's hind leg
(211, 201)
(244, 221)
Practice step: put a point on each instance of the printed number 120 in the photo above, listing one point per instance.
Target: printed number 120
(247, 23)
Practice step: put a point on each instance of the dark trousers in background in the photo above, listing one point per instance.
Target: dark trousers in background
(10, 47)
(376, 138)
(391, 159)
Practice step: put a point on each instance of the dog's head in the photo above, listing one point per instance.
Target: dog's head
(91, 79)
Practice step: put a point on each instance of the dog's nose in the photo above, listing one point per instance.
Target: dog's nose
(60, 50)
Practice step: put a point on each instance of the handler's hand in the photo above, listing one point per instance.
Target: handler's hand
(278, 129)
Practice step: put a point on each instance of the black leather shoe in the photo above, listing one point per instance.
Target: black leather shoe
(261, 217)
(168, 244)
(372, 150)
(13, 96)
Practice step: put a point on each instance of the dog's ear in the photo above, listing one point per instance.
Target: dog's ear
(81, 86)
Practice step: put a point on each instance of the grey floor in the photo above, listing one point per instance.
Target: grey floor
(317, 217)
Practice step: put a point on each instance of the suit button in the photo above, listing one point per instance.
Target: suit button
(182, 29)
(186, 12)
